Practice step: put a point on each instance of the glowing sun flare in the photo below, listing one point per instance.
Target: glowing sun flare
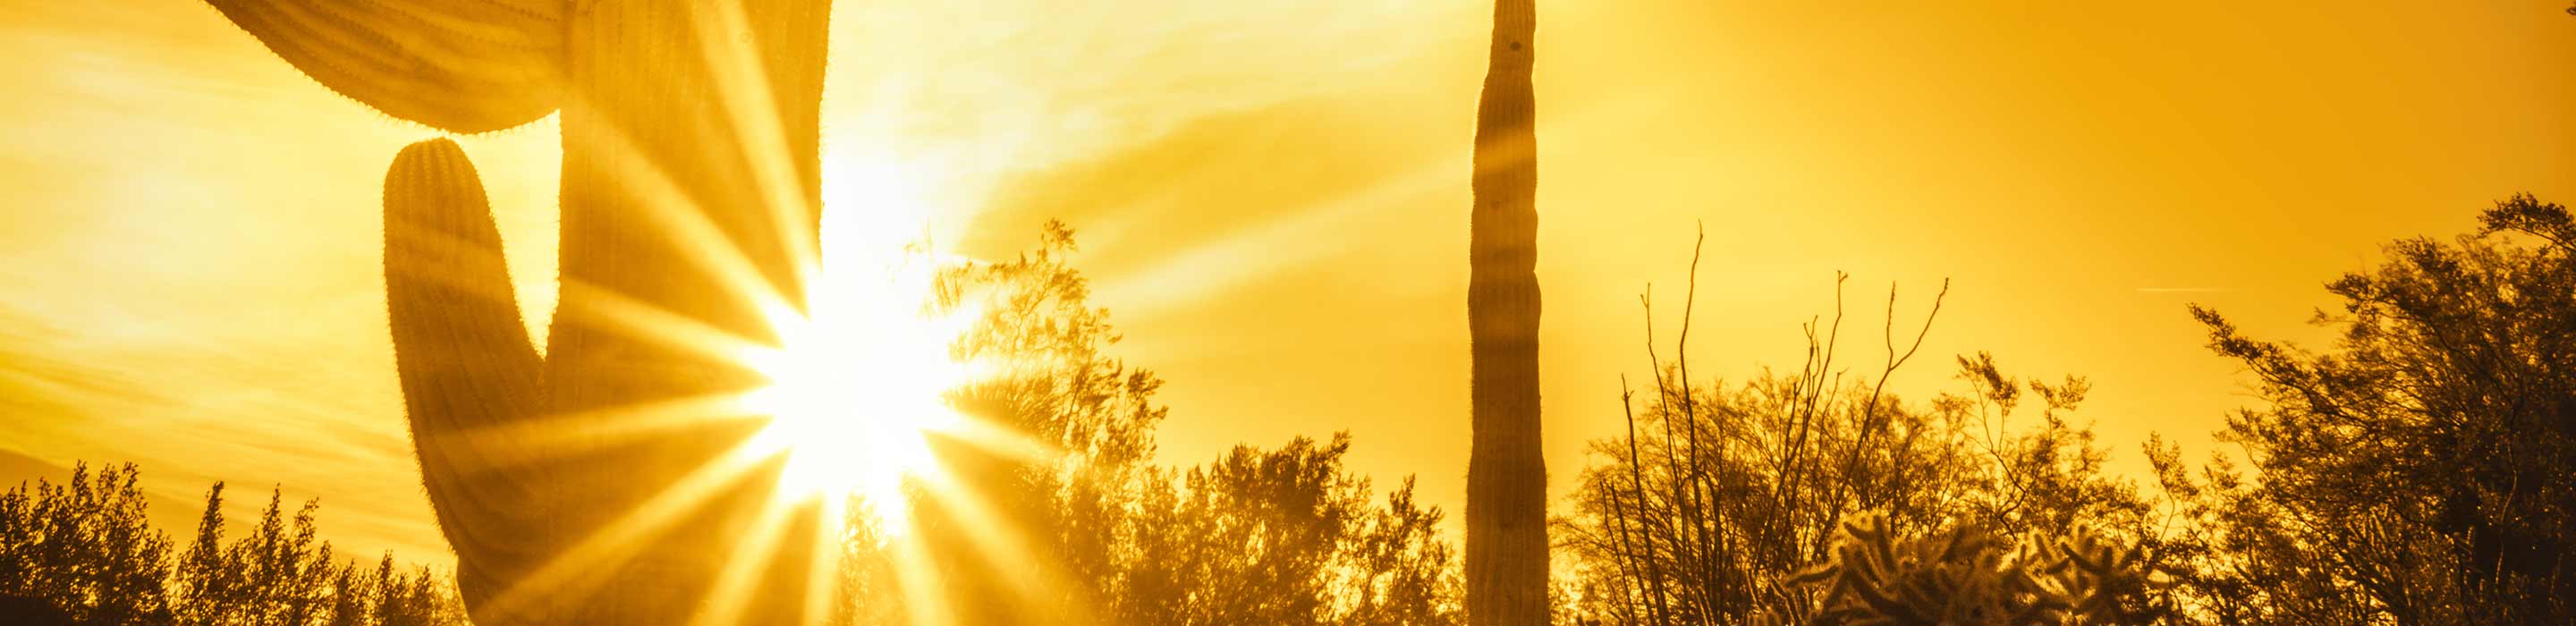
(852, 391)
(857, 382)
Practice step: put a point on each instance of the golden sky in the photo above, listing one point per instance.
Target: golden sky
(1272, 197)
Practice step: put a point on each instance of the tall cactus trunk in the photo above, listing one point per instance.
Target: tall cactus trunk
(690, 143)
(1506, 471)
(646, 102)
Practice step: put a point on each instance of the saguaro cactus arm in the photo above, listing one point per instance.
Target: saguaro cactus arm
(468, 67)
(469, 373)
(658, 96)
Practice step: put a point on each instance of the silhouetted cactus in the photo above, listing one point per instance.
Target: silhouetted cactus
(2101, 581)
(1966, 576)
(1506, 532)
(689, 139)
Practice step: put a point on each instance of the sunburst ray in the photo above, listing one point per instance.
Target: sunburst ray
(744, 90)
(752, 555)
(612, 544)
(677, 216)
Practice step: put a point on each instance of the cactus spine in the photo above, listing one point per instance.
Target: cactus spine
(677, 117)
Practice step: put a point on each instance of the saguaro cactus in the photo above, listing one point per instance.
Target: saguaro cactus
(1506, 472)
(689, 140)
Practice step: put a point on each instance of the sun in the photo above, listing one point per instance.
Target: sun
(854, 389)
(857, 381)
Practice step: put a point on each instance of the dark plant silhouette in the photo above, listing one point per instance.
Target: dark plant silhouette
(1661, 533)
(2417, 473)
(85, 548)
(689, 184)
(2421, 471)
(82, 552)
(1506, 538)
(1719, 496)
(1285, 537)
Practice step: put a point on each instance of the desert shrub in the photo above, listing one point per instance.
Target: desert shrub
(84, 551)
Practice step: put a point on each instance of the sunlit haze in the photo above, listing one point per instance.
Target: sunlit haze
(1271, 202)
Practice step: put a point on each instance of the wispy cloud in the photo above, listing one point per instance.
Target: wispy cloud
(2184, 289)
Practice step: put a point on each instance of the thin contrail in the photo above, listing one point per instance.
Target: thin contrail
(2183, 289)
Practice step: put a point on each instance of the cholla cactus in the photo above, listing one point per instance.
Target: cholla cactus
(689, 181)
(1966, 576)
(2101, 581)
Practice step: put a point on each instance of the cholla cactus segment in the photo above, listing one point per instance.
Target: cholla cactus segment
(2102, 581)
(1958, 577)
(1966, 576)
(467, 368)
(465, 66)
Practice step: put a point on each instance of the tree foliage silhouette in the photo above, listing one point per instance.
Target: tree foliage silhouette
(1719, 498)
(83, 551)
(1663, 531)
(85, 548)
(2421, 470)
